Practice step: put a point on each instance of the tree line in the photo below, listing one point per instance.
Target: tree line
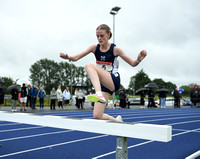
(49, 74)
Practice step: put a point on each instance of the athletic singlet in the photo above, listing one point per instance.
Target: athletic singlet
(107, 60)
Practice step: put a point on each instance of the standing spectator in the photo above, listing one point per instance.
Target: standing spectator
(151, 96)
(24, 93)
(162, 98)
(195, 98)
(41, 95)
(76, 96)
(1, 95)
(29, 96)
(33, 94)
(122, 98)
(14, 97)
(59, 97)
(177, 97)
(84, 94)
(192, 96)
(80, 99)
(67, 96)
(53, 96)
(142, 96)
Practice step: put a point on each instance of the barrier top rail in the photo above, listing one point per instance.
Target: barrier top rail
(153, 132)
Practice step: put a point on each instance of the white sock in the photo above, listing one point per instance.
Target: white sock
(99, 93)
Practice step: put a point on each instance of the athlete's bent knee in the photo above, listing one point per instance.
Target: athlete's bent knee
(88, 66)
(97, 116)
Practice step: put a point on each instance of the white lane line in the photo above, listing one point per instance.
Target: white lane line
(184, 122)
(194, 155)
(19, 129)
(10, 124)
(30, 136)
(164, 115)
(143, 143)
(54, 145)
(185, 130)
(165, 119)
(112, 152)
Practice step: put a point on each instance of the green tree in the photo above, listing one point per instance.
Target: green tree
(49, 74)
(160, 82)
(45, 73)
(7, 81)
(140, 80)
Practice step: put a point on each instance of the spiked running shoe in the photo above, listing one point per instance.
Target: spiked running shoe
(96, 98)
(119, 118)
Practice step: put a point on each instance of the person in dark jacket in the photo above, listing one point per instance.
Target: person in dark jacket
(1, 95)
(29, 96)
(24, 93)
(192, 96)
(41, 95)
(195, 98)
(177, 97)
(142, 97)
(14, 97)
(33, 96)
(151, 96)
(122, 98)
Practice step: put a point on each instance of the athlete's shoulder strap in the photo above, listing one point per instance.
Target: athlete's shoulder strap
(97, 48)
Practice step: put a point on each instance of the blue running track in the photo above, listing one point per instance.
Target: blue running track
(22, 141)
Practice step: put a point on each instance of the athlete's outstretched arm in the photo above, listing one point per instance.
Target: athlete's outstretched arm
(129, 60)
(80, 55)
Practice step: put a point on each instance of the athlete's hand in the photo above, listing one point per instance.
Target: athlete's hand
(141, 55)
(64, 56)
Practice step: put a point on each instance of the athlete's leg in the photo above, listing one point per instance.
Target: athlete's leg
(98, 75)
(98, 112)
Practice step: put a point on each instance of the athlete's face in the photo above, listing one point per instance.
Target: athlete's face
(102, 36)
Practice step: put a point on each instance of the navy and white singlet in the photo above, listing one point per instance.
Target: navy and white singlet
(108, 62)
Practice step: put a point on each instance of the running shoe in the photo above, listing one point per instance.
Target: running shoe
(96, 98)
(119, 118)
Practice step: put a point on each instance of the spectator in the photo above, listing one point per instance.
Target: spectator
(14, 97)
(1, 95)
(177, 97)
(142, 97)
(33, 94)
(198, 97)
(53, 96)
(80, 99)
(59, 97)
(122, 98)
(76, 96)
(84, 94)
(29, 96)
(151, 96)
(41, 95)
(192, 96)
(162, 98)
(195, 98)
(67, 96)
(24, 93)
(79, 96)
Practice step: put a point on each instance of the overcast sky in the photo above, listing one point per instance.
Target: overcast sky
(169, 30)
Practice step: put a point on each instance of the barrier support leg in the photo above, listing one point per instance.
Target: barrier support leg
(121, 149)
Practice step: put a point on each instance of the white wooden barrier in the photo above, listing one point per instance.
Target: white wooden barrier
(123, 130)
